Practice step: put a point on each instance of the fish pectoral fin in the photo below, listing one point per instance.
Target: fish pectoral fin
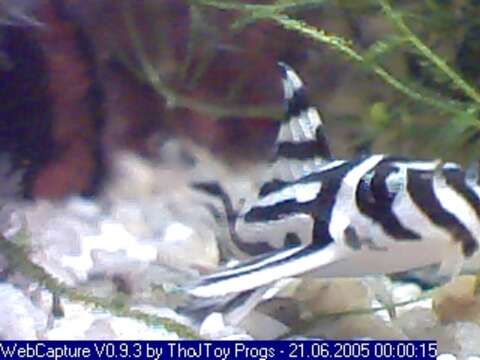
(264, 270)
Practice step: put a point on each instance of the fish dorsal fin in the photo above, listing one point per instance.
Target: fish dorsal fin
(472, 173)
(301, 145)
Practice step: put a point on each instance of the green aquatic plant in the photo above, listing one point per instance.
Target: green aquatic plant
(440, 104)
(16, 254)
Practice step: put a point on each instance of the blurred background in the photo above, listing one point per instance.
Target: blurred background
(81, 79)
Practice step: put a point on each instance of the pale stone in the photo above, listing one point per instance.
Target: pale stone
(457, 300)
(20, 318)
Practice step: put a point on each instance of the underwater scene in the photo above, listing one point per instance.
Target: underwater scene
(241, 170)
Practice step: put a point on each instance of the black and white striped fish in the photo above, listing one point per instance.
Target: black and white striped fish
(332, 218)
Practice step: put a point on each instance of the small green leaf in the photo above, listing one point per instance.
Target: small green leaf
(383, 47)
(379, 116)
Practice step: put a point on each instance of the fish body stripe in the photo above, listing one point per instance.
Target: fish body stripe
(304, 150)
(420, 187)
(345, 210)
(277, 185)
(374, 200)
(457, 180)
(271, 187)
(319, 207)
(276, 211)
(301, 151)
(297, 103)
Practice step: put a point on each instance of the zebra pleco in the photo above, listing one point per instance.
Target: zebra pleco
(378, 214)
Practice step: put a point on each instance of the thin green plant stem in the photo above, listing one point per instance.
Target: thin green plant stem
(176, 100)
(255, 12)
(274, 13)
(18, 259)
(343, 46)
(459, 82)
(257, 8)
